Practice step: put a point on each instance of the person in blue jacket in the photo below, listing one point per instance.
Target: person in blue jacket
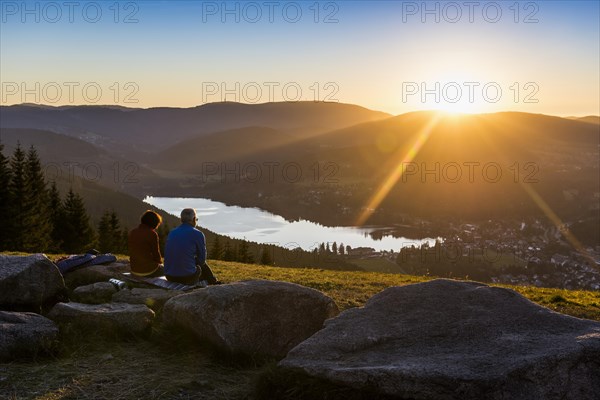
(185, 253)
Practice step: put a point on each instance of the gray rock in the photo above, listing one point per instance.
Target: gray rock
(153, 298)
(25, 334)
(95, 273)
(28, 282)
(113, 318)
(258, 318)
(96, 293)
(447, 339)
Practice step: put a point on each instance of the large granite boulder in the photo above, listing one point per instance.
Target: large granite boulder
(113, 318)
(29, 282)
(95, 273)
(25, 334)
(153, 298)
(95, 293)
(447, 339)
(258, 318)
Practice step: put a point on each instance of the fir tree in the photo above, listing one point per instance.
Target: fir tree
(79, 235)
(265, 256)
(57, 214)
(216, 252)
(110, 236)
(341, 249)
(5, 200)
(105, 239)
(36, 215)
(229, 254)
(243, 253)
(17, 188)
(334, 248)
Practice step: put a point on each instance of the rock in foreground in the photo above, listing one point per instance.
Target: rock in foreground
(25, 334)
(153, 298)
(29, 282)
(96, 293)
(95, 273)
(448, 339)
(113, 318)
(257, 318)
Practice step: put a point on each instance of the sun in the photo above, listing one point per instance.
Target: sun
(455, 84)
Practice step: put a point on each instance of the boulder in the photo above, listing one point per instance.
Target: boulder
(448, 339)
(153, 298)
(96, 293)
(29, 282)
(95, 273)
(113, 318)
(25, 334)
(258, 318)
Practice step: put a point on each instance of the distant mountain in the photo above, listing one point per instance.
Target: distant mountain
(124, 130)
(230, 145)
(469, 165)
(367, 146)
(68, 157)
(592, 119)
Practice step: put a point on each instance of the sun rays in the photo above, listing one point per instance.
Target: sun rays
(396, 173)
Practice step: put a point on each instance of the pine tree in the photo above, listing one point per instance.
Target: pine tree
(216, 252)
(79, 235)
(322, 248)
(341, 249)
(57, 214)
(229, 254)
(36, 216)
(17, 188)
(265, 256)
(243, 254)
(105, 239)
(5, 201)
(110, 235)
(334, 249)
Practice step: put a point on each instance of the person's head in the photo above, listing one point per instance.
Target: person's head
(151, 219)
(188, 216)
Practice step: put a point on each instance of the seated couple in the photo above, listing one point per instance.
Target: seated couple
(185, 250)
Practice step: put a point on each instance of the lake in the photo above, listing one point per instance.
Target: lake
(260, 226)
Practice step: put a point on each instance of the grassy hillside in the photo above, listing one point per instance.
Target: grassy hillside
(88, 367)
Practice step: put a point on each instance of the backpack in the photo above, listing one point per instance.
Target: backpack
(83, 260)
(74, 261)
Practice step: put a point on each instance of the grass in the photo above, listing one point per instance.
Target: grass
(354, 288)
(171, 366)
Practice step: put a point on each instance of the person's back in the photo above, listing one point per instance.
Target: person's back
(185, 248)
(185, 253)
(144, 252)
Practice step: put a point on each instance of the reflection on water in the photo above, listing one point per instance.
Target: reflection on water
(261, 226)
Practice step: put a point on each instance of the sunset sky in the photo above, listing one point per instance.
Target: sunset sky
(380, 55)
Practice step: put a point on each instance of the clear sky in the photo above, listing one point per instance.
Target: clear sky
(393, 56)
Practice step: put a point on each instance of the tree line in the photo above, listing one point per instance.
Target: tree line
(35, 218)
(240, 252)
